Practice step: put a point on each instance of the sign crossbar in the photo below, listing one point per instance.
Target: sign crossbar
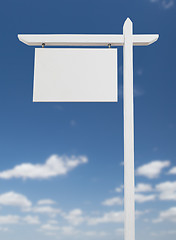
(85, 39)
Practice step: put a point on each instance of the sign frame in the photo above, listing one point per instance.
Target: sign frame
(127, 40)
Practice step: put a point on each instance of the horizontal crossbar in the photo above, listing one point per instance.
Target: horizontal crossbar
(84, 39)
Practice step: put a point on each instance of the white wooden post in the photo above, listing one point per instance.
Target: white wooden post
(129, 201)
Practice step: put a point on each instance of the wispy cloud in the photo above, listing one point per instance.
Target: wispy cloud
(139, 196)
(9, 219)
(54, 166)
(137, 91)
(44, 210)
(50, 227)
(119, 231)
(165, 4)
(95, 234)
(46, 202)
(58, 107)
(152, 169)
(113, 201)
(69, 230)
(119, 189)
(162, 233)
(4, 229)
(16, 219)
(31, 219)
(53, 229)
(109, 217)
(72, 123)
(139, 72)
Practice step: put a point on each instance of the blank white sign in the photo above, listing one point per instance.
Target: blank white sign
(75, 75)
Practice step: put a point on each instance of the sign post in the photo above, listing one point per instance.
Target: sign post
(127, 40)
(129, 189)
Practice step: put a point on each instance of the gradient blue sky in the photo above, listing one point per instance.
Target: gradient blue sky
(79, 146)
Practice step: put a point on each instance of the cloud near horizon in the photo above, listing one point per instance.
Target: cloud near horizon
(109, 217)
(54, 166)
(166, 215)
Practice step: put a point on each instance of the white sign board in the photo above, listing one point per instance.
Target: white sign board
(75, 75)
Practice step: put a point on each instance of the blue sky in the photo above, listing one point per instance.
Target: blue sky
(61, 171)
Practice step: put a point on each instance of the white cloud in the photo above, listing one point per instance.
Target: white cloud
(166, 4)
(141, 198)
(74, 217)
(69, 230)
(44, 210)
(111, 217)
(58, 107)
(172, 170)
(102, 234)
(95, 234)
(152, 169)
(31, 219)
(15, 219)
(119, 231)
(167, 215)
(50, 233)
(113, 201)
(107, 218)
(143, 187)
(49, 227)
(4, 229)
(91, 233)
(52, 221)
(139, 72)
(167, 190)
(140, 213)
(46, 202)
(138, 92)
(171, 232)
(73, 123)
(14, 199)
(9, 219)
(161, 233)
(119, 189)
(55, 165)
